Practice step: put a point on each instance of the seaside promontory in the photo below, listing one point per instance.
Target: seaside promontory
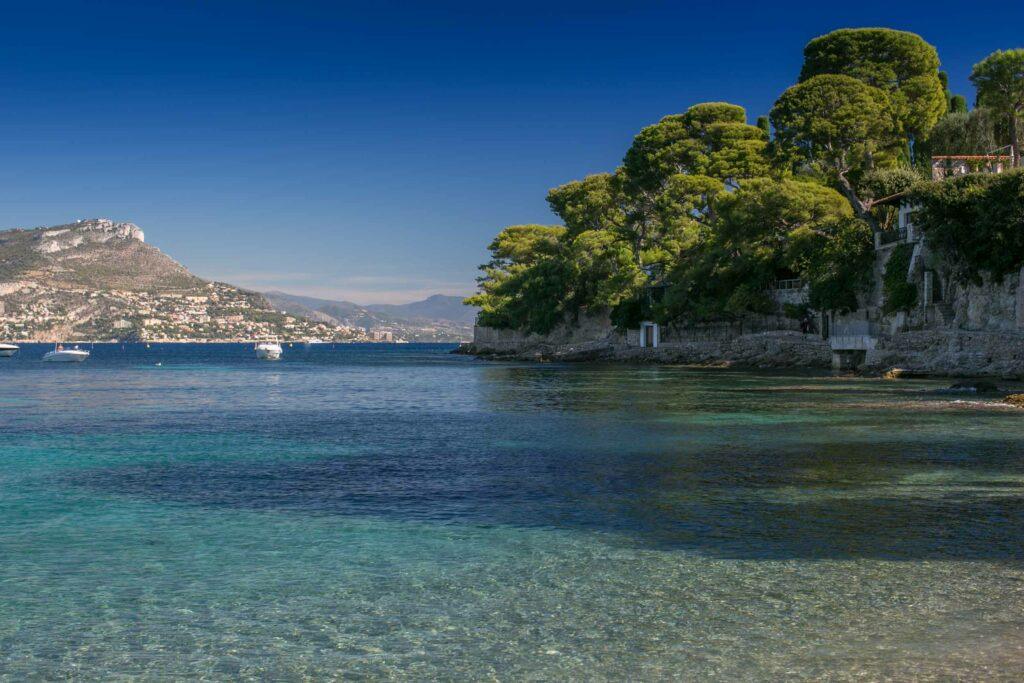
(869, 221)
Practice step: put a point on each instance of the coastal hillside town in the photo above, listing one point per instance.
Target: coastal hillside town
(217, 311)
(97, 279)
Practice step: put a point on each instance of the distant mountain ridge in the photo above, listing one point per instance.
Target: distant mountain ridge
(436, 317)
(436, 307)
(98, 279)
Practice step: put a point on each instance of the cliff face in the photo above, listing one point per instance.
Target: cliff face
(970, 330)
(96, 254)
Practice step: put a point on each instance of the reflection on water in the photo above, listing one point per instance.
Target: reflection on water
(398, 511)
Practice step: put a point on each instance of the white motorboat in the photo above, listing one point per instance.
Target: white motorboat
(62, 355)
(268, 351)
(8, 350)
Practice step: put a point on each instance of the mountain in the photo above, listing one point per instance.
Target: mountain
(339, 311)
(437, 318)
(98, 279)
(436, 307)
(96, 253)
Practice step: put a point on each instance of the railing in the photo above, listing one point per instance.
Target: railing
(890, 236)
(856, 328)
(785, 285)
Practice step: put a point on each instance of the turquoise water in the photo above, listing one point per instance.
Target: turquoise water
(399, 512)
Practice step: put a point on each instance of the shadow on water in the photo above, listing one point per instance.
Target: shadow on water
(729, 464)
(828, 501)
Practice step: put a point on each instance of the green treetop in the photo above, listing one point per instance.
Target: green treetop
(711, 139)
(674, 170)
(594, 203)
(900, 63)
(768, 228)
(838, 124)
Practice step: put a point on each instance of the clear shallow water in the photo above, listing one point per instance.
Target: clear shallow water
(398, 512)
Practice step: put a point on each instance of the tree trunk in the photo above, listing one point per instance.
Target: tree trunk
(1014, 140)
(862, 210)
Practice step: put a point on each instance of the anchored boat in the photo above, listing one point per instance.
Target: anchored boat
(8, 350)
(268, 351)
(62, 355)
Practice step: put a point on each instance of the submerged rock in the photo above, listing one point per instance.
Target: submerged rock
(980, 386)
(901, 373)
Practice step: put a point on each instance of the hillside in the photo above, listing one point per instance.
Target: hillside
(98, 279)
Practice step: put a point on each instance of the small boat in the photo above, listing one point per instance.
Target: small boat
(268, 351)
(62, 355)
(8, 350)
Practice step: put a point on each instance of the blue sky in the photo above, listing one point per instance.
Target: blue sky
(370, 153)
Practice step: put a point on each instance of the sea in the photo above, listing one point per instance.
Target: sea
(397, 512)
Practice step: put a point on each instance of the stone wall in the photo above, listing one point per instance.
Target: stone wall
(724, 343)
(976, 330)
(590, 336)
(780, 348)
(951, 352)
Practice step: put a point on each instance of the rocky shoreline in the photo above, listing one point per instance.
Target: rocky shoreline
(947, 353)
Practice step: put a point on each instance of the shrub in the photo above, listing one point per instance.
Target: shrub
(976, 222)
(900, 295)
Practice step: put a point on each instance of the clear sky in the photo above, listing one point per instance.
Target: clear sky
(370, 150)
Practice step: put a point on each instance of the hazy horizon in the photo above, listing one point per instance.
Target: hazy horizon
(370, 154)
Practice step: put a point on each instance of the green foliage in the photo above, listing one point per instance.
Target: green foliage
(725, 209)
(523, 283)
(976, 222)
(628, 314)
(900, 295)
(900, 63)
(836, 261)
(594, 203)
(885, 182)
(765, 228)
(882, 183)
(795, 311)
(601, 271)
(961, 133)
(764, 211)
(836, 120)
(999, 79)
(710, 139)
(524, 244)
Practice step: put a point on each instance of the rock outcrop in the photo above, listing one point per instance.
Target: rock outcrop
(594, 339)
(88, 231)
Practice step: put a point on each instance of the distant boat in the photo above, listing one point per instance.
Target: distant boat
(7, 350)
(313, 340)
(268, 351)
(62, 355)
